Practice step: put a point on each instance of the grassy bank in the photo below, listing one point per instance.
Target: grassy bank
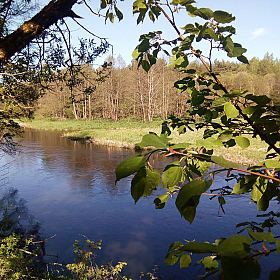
(127, 133)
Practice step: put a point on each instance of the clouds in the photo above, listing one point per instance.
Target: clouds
(259, 32)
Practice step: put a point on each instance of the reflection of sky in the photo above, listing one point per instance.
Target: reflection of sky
(70, 187)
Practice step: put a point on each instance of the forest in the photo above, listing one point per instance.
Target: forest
(121, 91)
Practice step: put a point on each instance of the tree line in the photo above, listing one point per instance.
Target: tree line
(118, 91)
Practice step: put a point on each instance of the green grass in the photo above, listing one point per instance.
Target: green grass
(126, 133)
(76, 125)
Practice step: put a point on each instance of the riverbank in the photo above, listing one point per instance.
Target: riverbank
(126, 134)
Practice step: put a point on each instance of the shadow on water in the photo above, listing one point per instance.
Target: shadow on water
(70, 187)
(15, 217)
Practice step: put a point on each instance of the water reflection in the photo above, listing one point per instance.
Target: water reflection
(70, 187)
(15, 217)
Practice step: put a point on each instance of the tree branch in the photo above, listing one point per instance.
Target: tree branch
(50, 14)
(257, 130)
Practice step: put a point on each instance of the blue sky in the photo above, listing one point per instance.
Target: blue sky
(257, 24)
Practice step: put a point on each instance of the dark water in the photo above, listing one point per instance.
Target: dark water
(69, 188)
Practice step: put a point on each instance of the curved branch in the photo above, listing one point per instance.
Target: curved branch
(49, 15)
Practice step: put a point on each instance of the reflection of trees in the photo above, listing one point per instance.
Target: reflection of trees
(14, 216)
(84, 165)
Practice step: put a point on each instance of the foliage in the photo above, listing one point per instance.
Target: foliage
(85, 266)
(226, 117)
(13, 263)
(20, 260)
(32, 60)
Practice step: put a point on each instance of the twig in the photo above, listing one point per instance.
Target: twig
(195, 154)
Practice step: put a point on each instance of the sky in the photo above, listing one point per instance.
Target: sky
(257, 26)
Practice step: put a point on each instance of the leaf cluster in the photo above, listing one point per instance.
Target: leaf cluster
(226, 119)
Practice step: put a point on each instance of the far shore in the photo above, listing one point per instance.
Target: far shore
(127, 133)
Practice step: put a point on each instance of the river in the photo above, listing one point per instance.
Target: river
(68, 189)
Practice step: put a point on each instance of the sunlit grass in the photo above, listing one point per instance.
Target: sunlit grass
(76, 125)
(127, 133)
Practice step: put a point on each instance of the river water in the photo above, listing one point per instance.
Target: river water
(67, 188)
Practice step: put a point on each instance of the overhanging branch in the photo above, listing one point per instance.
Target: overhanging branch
(49, 15)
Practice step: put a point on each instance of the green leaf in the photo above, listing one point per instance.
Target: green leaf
(225, 136)
(180, 146)
(151, 16)
(259, 188)
(278, 246)
(263, 203)
(174, 245)
(190, 28)
(244, 185)
(186, 44)
(271, 163)
(223, 17)
(161, 200)
(237, 51)
(221, 200)
(142, 14)
(204, 13)
(136, 53)
(209, 263)
(212, 34)
(199, 166)
(221, 161)
(235, 93)
(238, 245)
(200, 247)
(144, 182)
(230, 110)
(228, 44)
(260, 99)
(249, 110)
(242, 142)
(146, 65)
(144, 45)
(202, 32)
(111, 17)
(210, 143)
(261, 236)
(185, 261)
(118, 13)
(138, 5)
(103, 4)
(188, 198)
(220, 101)
(243, 59)
(181, 61)
(171, 258)
(156, 11)
(172, 175)
(129, 166)
(258, 193)
(153, 140)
